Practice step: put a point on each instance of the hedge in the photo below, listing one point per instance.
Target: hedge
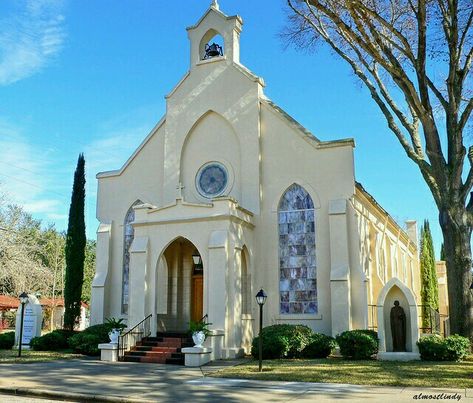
(7, 340)
(319, 346)
(87, 341)
(436, 348)
(53, 341)
(282, 341)
(358, 344)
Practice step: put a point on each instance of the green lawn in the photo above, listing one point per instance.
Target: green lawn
(11, 356)
(337, 370)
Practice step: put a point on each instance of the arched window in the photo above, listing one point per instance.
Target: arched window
(297, 263)
(245, 284)
(128, 235)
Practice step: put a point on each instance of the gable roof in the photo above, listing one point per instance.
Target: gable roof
(218, 12)
(306, 134)
(117, 172)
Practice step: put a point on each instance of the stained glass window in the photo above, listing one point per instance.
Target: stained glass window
(129, 234)
(297, 259)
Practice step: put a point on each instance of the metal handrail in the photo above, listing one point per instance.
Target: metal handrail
(129, 339)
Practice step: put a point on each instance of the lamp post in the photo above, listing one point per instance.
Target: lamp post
(23, 300)
(261, 299)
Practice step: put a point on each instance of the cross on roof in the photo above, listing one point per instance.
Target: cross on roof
(215, 4)
(179, 188)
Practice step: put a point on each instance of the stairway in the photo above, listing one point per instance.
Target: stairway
(165, 348)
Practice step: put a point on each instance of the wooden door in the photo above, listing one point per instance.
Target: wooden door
(197, 302)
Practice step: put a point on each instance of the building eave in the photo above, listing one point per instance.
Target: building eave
(118, 172)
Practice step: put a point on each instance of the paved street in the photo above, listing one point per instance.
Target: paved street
(82, 380)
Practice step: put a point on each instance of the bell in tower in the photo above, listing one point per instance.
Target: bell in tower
(213, 50)
(215, 36)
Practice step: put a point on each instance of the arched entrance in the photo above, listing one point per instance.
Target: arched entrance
(180, 286)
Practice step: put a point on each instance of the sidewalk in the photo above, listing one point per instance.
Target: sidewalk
(90, 380)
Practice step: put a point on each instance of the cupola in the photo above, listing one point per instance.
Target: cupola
(215, 37)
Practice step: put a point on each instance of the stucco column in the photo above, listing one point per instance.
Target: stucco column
(138, 286)
(217, 284)
(221, 301)
(339, 267)
(102, 266)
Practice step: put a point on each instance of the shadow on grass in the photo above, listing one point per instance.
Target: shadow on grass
(379, 373)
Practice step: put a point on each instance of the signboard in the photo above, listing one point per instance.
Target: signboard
(30, 324)
(32, 320)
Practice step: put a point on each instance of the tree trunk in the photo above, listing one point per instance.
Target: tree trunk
(457, 244)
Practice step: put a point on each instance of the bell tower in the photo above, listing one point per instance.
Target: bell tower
(215, 23)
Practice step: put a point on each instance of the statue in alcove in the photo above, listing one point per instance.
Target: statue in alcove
(398, 327)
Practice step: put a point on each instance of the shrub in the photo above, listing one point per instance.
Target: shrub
(370, 333)
(7, 340)
(458, 347)
(358, 344)
(435, 348)
(114, 323)
(53, 341)
(282, 341)
(432, 348)
(319, 346)
(87, 341)
(10, 317)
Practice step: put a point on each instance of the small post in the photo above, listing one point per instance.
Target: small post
(260, 299)
(260, 368)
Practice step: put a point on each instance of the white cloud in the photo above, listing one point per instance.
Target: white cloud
(40, 206)
(29, 38)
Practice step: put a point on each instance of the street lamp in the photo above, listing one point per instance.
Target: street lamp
(23, 300)
(261, 299)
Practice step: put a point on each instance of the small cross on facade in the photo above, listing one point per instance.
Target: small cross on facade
(179, 188)
(215, 4)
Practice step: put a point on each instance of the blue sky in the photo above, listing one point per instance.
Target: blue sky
(90, 76)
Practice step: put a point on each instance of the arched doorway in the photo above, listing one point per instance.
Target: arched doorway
(180, 286)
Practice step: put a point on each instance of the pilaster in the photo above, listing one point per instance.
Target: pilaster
(138, 285)
(102, 267)
(339, 267)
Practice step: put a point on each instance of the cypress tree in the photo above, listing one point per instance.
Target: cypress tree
(433, 276)
(75, 248)
(442, 252)
(429, 284)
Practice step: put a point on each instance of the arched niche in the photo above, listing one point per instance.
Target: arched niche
(211, 36)
(212, 139)
(395, 290)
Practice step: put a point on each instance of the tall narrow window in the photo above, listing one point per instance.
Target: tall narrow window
(128, 235)
(297, 263)
(245, 285)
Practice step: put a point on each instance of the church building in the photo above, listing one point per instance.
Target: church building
(228, 195)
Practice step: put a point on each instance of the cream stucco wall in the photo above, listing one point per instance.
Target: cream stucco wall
(218, 112)
(381, 251)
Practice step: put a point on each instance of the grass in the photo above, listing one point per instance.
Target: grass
(28, 356)
(337, 370)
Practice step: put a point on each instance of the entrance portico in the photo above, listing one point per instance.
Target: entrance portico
(163, 279)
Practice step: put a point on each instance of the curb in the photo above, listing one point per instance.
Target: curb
(71, 396)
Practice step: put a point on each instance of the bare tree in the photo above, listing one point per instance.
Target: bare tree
(21, 268)
(414, 57)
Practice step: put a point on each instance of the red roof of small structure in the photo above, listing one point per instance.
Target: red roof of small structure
(9, 302)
